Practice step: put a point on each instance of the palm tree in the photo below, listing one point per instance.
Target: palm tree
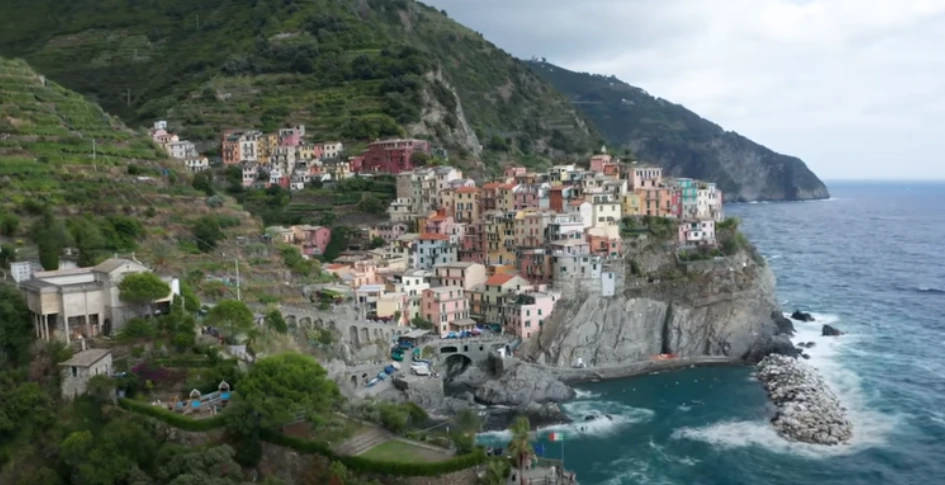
(520, 447)
(496, 472)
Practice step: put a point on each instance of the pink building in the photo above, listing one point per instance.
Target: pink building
(515, 172)
(605, 241)
(598, 162)
(646, 177)
(447, 307)
(390, 231)
(526, 313)
(445, 225)
(473, 246)
(291, 136)
(535, 265)
(313, 239)
(526, 196)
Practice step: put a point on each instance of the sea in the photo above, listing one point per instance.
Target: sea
(869, 261)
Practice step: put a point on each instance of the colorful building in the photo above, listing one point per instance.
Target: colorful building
(535, 264)
(312, 239)
(697, 233)
(632, 205)
(447, 307)
(393, 156)
(433, 249)
(526, 313)
(465, 275)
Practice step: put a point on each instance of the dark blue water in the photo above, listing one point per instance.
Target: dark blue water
(871, 261)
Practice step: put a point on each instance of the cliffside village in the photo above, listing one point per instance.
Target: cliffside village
(456, 254)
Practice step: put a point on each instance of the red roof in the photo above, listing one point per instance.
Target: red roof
(491, 185)
(577, 202)
(437, 218)
(432, 236)
(334, 266)
(500, 279)
(507, 186)
(467, 190)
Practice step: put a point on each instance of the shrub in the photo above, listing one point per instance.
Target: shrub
(176, 420)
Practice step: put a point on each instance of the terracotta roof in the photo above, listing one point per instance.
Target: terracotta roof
(334, 266)
(467, 190)
(491, 185)
(431, 236)
(507, 186)
(437, 218)
(577, 202)
(500, 279)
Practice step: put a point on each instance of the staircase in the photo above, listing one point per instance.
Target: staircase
(364, 441)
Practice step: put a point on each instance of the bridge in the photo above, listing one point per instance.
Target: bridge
(344, 320)
(476, 349)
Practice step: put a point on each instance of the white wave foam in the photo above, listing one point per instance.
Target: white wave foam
(581, 394)
(609, 417)
(635, 470)
(683, 408)
(870, 427)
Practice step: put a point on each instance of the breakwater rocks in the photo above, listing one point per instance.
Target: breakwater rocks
(808, 410)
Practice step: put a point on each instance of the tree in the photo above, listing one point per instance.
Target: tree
(142, 289)
(278, 389)
(337, 243)
(496, 473)
(421, 323)
(208, 233)
(275, 321)
(377, 242)
(7, 254)
(520, 447)
(203, 182)
(88, 239)
(16, 332)
(370, 204)
(9, 223)
(110, 456)
(231, 318)
(191, 300)
(199, 466)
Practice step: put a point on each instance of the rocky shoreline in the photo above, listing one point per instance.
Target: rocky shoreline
(808, 411)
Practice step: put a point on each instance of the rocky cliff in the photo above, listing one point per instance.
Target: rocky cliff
(721, 307)
(682, 142)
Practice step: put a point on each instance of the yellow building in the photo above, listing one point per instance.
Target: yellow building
(305, 152)
(466, 201)
(505, 198)
(631, 205)
(267, 145)
(500, 239)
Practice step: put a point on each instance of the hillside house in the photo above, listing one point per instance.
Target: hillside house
(81, 367)
(447, 307)
(465, 275)
(84, 302)
(312, 239)
(393, 156)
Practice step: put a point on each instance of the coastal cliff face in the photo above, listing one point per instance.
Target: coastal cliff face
(724, 307)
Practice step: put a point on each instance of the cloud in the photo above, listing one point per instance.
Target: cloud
(854, 87)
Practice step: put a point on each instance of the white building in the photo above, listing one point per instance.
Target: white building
(582, 209)
(331, 149)
(574, 267)
(605, 210)
(69, 303)
(434, 249)
(195, 165)
(697, 232)
(709, 202)
(608, 284)
(182, 149)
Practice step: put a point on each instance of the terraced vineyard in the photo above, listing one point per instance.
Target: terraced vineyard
(47, 162)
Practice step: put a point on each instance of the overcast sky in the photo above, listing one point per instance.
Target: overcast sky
(856, 88)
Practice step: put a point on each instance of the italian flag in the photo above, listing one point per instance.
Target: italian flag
(555, 437)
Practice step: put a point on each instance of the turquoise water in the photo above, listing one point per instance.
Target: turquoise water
(868, 261)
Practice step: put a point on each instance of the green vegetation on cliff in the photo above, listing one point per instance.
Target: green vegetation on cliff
(74, 177)
(351, 70)
(683, 143)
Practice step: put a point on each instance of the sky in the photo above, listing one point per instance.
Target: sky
(855, 88)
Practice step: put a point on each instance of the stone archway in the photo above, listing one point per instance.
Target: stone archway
(290, 321)
(365, 335)
(354, 380)
(305, 322)
(355, 339)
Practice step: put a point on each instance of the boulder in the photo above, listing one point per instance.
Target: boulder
(802, 316)
(785, 327)
(776, 344)
(538, 415)
(523, 384)
(829, 331)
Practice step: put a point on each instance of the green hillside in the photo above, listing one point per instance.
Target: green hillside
(125, 199)
(682, 142)
(349, 69)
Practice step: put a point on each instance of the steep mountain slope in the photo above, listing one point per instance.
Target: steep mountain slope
(122, 196)
(681, 141)
(349, 69)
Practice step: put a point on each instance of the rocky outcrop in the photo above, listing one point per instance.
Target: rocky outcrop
(802, 316)
(808, 410)
(714, 308)
(830, 331)
(785, 326)
(524, 384)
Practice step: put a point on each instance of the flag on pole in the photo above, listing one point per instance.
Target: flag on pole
(556, 436)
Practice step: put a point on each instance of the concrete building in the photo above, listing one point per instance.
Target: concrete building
(331, 149)
(78, 370)
(709, 202)
(576, 267)
(83, 302)
(181, 149)
(497, 288)
(605, 210)
(697, 232)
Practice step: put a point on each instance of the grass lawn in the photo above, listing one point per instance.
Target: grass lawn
(395, 450)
